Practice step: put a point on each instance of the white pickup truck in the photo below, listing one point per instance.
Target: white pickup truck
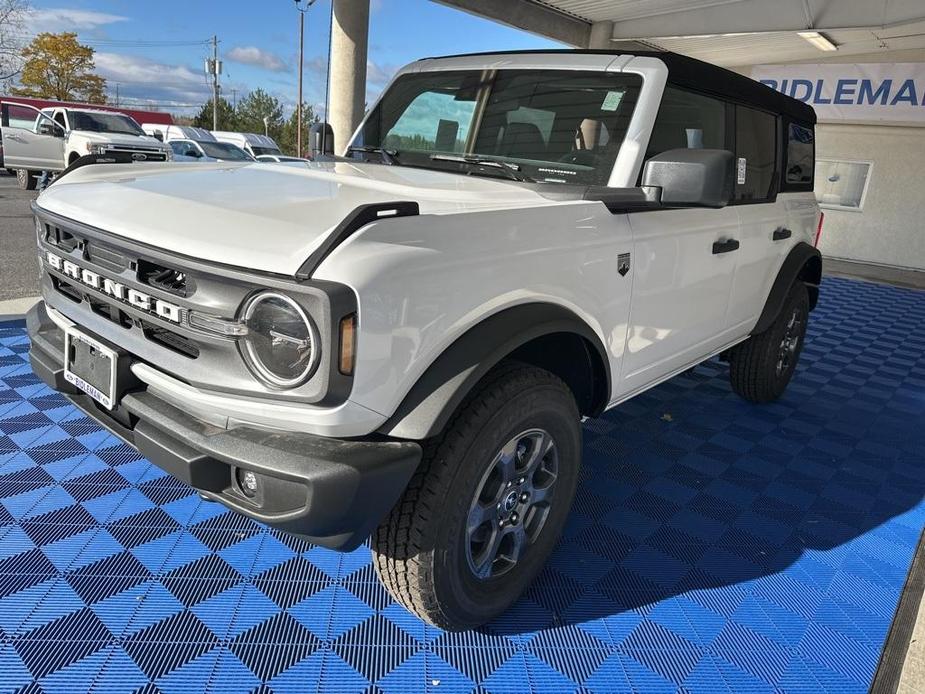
(401, 343)
(54, 138)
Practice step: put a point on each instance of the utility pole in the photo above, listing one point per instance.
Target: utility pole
(298, 118)
(117, 93)
(214, 68)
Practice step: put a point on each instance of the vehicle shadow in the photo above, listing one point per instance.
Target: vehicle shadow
(687, 489)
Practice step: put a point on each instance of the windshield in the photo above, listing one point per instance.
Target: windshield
(561, 126)
(264, 150)
(104, 123)
(223, 150)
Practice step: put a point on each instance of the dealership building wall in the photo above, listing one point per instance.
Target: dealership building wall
(889, 228)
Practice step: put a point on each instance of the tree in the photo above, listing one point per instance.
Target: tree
(226, 116)
(256, 106)
(288, 141)
(12, 26)
(58, 67)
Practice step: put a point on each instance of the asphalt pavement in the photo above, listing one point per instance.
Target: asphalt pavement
(19, 274)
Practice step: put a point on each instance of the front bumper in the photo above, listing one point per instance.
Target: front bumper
(332, 491)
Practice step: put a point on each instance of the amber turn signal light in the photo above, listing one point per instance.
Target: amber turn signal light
(348, 343)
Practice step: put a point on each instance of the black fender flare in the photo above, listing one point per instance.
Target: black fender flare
(430, 403)
(802, 263)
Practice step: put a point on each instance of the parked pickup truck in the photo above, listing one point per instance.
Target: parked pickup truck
(400, 344)
(54, 138)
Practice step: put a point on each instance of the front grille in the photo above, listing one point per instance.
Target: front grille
(67, 289)
(64, 240)
(171, 340)
(110, 312)
(106, 257)
(150, 153)
(164, 278)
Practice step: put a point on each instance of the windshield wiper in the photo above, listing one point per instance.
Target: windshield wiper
(388, 155)
(511, 170)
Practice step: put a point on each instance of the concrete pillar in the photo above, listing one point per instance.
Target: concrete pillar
(349, 39)
(601, 33)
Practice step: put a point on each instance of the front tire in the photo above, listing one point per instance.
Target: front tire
(761, 367)
(487, 504)
(26, 179)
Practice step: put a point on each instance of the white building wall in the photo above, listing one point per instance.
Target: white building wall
(890, 229)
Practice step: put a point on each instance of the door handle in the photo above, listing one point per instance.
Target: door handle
(726, 246)
(780, 234)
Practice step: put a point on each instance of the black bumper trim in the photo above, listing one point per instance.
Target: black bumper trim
(332, 491)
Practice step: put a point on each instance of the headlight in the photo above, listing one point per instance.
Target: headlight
(282, 345)
(96, 148)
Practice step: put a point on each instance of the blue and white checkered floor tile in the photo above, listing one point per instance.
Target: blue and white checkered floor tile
(714, 546)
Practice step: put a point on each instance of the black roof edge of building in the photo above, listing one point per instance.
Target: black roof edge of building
(685, 71)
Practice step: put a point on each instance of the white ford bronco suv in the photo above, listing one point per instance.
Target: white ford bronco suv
(54, 138)
(400, 343)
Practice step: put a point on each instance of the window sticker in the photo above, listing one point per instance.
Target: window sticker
(612, 101)
(740, 177)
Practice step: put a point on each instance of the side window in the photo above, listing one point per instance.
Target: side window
(800, 156)
(756, 154)
(687, 120)
(180, 148)
(60, 120)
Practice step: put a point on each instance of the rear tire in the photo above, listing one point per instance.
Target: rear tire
(27, 180)
(761, 367)
(487, 505)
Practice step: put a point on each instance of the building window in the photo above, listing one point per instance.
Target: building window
(842, 185)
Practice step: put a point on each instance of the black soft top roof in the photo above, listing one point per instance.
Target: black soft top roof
(684, 71)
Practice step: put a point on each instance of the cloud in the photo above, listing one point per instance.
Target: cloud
(251, 55)
(379, 75)
(62, 19)
(143, 79)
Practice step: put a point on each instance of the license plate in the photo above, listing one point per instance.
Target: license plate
(90, 366)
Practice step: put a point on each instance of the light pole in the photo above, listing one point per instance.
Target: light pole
(302, 6)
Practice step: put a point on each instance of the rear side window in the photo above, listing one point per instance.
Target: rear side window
(756, 155)
(800, 157)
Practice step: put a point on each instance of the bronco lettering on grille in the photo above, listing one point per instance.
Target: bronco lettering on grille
(116, 290)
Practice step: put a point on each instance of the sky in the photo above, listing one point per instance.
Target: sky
(155, 51)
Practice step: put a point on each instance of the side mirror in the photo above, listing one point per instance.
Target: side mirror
(320, 141)
(692, 177)
(52, 129)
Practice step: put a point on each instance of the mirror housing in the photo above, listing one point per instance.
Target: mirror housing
(320, 141)
(692, 177)
(52, 129)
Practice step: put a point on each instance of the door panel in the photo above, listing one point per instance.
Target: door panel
(24, 147)
(680, 290)
(758, 259)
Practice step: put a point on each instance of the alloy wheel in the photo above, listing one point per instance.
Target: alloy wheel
(511, 503)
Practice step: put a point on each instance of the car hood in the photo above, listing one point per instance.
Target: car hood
(262, 216)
